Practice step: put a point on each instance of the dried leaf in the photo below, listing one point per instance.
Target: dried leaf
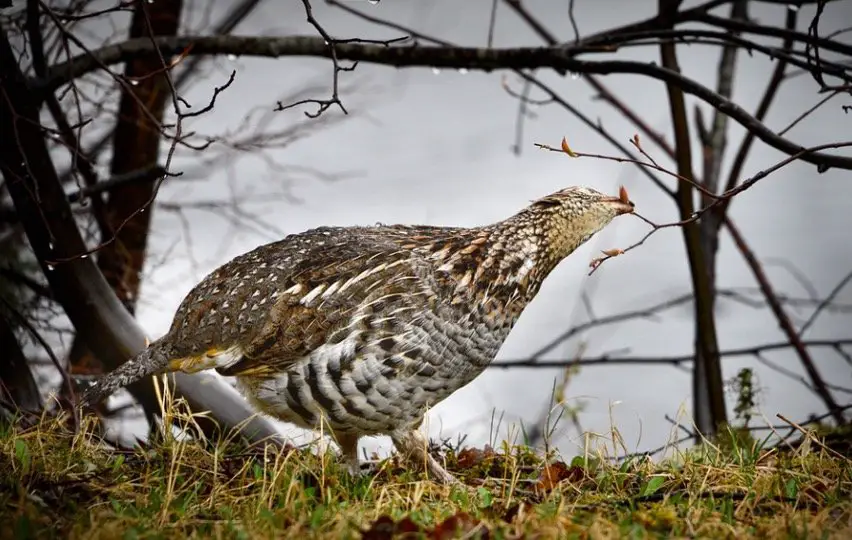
(472, 457)
(622, 194)
(460, 525)
(554, 473)
(385, 528)
(614, 252)
(567, 149)
(512, 512)
(455, 526)
(381, 529)
(406, 526)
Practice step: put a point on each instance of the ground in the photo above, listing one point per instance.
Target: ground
(58, 483)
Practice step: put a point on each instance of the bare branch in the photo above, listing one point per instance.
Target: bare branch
(809, 111)
(231, 20)
(436, 56)
(676, 360)
(491, 23)
(36, 335)
(89, 302)
(825, 303)
(323, 105)
(604, 92)
(790, 374)
(696, 215)
(772, 87)
(784, 321)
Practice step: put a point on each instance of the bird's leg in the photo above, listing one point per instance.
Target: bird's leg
(349, 448)
(414, 446)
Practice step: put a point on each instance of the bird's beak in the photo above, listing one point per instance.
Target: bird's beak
(622, 203)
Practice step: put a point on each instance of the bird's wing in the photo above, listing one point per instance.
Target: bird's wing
(271, 306)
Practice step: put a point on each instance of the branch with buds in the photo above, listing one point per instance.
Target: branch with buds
(650, 163)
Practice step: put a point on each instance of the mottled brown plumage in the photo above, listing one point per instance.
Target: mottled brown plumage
(360, 330)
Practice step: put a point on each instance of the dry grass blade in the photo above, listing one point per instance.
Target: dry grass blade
(177, 488)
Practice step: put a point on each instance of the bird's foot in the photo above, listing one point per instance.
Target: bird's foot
(414, 446)
(439, 473)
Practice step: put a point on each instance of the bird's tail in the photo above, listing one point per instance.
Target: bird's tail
(152, 360)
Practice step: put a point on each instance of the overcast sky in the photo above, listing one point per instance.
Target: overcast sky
(430, 147)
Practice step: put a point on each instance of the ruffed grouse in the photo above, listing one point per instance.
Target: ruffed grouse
(360, 330)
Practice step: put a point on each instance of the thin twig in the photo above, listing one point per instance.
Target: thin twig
(674, 360)
(63, 373)
(455, 57)
(492, 23)
(810, 436)
(825, 303)
(784, 321)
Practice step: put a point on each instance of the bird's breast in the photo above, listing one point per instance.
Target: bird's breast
(375, 381)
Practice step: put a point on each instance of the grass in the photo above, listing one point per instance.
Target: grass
(57, 483)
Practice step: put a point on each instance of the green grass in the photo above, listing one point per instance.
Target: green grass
(55, 483)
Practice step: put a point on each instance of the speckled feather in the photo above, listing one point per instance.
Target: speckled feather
(365, 328)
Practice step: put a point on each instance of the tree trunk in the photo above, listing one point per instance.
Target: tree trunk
(710, 413)
(702, 385)
(17, 385)
(714, 142)
(79, 286)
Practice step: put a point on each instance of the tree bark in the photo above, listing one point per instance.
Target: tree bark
(17, 384)
(708, 387)
(136, 145)
(714, 144)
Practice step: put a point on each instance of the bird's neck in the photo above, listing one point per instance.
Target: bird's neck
(498, 269)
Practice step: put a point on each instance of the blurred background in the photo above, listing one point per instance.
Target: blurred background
(456, 147)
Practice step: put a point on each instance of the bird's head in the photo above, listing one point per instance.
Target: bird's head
(568, 218)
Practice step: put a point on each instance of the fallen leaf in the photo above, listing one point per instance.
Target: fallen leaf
(512, 512)
(459, 525)
(554, 473)
(406, 526)
(385, 528)
(381, 529)
(471, 457)
(455, 526)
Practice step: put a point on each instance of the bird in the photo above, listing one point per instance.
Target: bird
(358, 331)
